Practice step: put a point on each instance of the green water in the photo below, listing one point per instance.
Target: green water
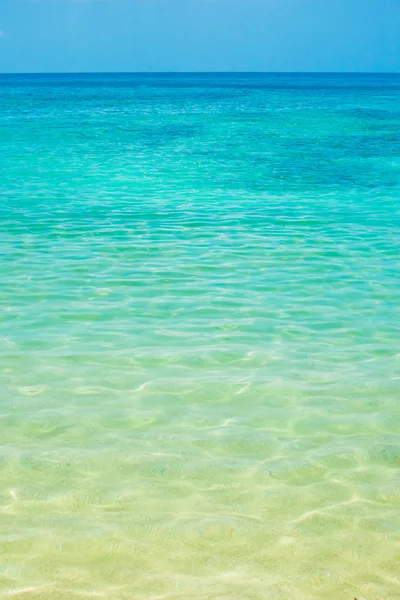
(200, 337)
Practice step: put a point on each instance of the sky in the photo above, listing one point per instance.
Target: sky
(199, 35)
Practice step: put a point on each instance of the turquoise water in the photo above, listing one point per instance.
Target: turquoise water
(200, 337)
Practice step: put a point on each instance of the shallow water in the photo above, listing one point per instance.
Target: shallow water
(200, 376)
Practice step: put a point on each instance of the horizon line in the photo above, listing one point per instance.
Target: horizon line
(200, 73)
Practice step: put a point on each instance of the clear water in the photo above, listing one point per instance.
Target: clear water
(200, 337)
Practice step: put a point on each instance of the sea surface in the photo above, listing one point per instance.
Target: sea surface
(200, 337)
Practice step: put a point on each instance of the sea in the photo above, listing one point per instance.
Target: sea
(200, 336)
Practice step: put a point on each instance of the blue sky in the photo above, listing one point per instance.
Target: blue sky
(199, 35)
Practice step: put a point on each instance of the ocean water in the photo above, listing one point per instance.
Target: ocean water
(200, 337)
